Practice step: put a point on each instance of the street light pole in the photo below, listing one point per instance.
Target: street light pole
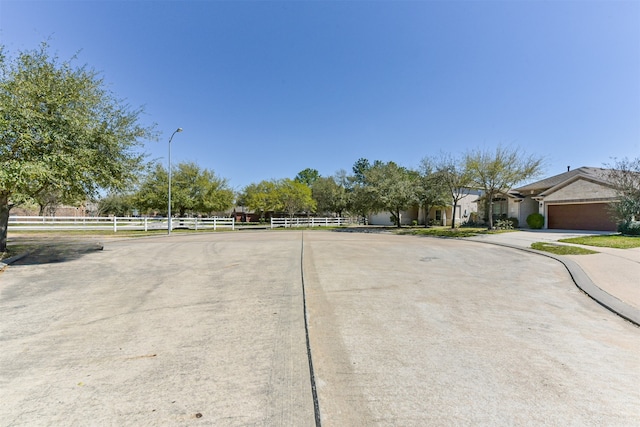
(169, 206)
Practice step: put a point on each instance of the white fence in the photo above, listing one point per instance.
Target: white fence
(115, 223)
(308, 222)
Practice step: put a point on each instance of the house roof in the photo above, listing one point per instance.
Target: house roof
(597, 174)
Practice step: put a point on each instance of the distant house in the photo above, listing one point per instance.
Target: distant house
(574, 200)
(466, 208)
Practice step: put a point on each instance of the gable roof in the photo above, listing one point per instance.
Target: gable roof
(594, 174)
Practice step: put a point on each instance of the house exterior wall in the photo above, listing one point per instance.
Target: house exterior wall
(437, 216)
(465, 207)
(526, 207)
(581, 190)
(384, 218)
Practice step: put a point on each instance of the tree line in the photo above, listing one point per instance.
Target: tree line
(376, 186)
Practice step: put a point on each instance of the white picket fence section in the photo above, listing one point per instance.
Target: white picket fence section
(308, 222)
(115, 223)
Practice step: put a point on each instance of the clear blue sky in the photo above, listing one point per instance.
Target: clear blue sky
(266, 89)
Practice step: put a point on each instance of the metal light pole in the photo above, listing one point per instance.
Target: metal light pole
(169, 207)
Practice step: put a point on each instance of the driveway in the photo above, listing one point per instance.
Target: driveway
(403, 330)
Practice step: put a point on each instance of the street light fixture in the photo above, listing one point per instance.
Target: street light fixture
(169, 207)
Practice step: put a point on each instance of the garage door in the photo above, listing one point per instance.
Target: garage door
(587, 216)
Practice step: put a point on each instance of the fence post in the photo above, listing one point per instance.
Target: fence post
(196, 223)
(145, 223)
(215, 223)
(233, 223)
(115, 224)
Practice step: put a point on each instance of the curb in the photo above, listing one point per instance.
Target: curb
(10, 260)
(584, 283)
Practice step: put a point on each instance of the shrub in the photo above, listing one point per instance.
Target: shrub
(629, 228)
(535, 221)
(514, 222)
(504, 224)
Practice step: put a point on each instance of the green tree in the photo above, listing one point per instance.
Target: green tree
(307, 176)
(431, 189)
(152, 193)
(193, 190)
(117, 204)
(360, 168)
(261, 197)
(392, 188)
(496, 171)
(294, 197)
(329, 195)
(360, 198)
(62, 131)
(624, 174)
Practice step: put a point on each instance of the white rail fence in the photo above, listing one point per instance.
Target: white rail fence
(115, 223)
(308, 222)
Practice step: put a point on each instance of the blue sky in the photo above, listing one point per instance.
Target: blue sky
(266, 89)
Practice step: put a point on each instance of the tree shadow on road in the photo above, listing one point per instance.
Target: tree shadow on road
(50, 253)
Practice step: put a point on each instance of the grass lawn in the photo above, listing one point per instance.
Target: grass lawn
(561, 249)
(450, 232)
(606, 241)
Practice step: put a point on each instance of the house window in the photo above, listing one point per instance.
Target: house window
(438, 215)
(499, 208)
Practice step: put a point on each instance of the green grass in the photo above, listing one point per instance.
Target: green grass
(606, 241)
(449, 232)
(561, 249)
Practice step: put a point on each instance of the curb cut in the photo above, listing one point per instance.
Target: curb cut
(584, 283)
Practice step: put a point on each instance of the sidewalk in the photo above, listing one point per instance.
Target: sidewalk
(611, 277)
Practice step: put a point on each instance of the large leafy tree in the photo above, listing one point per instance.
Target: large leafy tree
(193, 190)
(393, 188)
(294, 197)
(330, 196)
(498, 170)
(61, 131)
(260, 197)
(117, 204)
(284, 195)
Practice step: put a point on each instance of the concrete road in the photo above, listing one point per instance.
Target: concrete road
(165, 331)
(404, 330)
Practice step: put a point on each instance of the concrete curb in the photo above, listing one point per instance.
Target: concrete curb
(4, 263)
(583, 282)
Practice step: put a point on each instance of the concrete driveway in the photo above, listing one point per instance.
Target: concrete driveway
(209, 329)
